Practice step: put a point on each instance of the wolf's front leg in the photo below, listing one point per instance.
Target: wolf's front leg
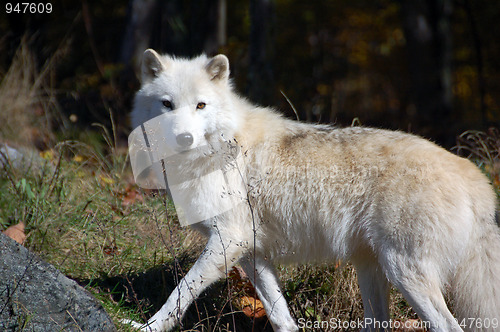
(263, 276)
(219, 255)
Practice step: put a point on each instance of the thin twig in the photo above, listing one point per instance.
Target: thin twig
(291, 105)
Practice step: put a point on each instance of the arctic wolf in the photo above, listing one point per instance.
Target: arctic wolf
(403, 210)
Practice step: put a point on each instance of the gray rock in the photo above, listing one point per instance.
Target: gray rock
(35, 296)
(22, 160)
(17, 159)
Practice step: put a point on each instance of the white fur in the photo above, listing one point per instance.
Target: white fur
(400, 208)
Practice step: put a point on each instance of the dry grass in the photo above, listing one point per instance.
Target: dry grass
(28, 105)
(484, 149)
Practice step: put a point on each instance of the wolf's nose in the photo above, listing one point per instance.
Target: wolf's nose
(184, 139)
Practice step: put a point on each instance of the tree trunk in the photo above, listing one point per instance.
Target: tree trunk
(138, 32)
(261, 85)
(429, 43)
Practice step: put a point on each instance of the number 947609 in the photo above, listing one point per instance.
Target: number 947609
(28, 8)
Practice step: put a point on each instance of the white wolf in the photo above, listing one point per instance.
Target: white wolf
(403, 210)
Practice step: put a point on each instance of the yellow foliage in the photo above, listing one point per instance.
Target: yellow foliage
(106, 180)
(49, 155)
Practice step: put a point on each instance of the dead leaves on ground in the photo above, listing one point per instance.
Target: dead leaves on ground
(130, 196)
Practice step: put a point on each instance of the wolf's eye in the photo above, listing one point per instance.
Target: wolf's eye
(200, 106)
(167, 104)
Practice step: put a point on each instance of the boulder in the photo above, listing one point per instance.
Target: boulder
(35, 296)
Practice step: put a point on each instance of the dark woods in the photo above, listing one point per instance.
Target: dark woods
(427, 67)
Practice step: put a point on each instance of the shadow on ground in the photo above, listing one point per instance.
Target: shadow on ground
(214, 310)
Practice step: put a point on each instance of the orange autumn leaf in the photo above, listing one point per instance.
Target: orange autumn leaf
(252, 307)
(131, 196)
(16, 232)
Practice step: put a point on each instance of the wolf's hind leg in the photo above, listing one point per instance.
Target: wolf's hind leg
(374, 288)
(263, 276)
(419, 283)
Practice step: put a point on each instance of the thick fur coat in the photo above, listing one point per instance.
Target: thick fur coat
(403, 210)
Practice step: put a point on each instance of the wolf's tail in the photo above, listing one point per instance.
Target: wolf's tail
(476, 287)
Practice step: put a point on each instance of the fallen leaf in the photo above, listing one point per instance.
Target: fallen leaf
(16, 232)
(78, 158)
(240, 280)
(252, 307)
(110, 250)
(106, 180)
(131, 196)
(49, 155)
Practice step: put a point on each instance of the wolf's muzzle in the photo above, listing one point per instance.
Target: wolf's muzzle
(185, 139)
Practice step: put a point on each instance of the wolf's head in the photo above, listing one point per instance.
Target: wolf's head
(194, 95)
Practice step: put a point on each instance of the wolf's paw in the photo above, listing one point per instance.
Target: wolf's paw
(135, 325)
(150, 326)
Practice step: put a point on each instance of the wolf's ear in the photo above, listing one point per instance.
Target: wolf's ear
(151, 65)
(218, 68)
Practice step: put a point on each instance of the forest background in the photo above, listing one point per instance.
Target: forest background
(429, 67)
